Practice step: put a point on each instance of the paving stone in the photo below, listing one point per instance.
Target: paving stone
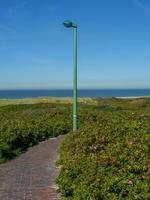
(32, 175)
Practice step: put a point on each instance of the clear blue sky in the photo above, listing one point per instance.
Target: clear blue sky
(36, 51)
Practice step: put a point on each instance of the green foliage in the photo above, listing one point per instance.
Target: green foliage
(22, 126)
(109, 157)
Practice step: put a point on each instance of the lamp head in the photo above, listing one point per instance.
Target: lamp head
(69, 24)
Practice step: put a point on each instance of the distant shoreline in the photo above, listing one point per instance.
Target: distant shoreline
(60, 100)
(87, 93)
(132, 97)
(68, 97)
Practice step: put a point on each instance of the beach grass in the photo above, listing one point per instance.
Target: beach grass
(61, 100)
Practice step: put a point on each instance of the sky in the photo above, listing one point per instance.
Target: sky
(36, 51)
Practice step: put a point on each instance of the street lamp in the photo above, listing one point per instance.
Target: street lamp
(69, 24)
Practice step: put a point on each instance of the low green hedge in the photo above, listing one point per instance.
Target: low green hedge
(23, 126)
(109, 159)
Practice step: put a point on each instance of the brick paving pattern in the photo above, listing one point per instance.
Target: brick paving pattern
(32, 175)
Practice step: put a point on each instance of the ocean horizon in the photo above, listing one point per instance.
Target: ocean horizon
(19, 94)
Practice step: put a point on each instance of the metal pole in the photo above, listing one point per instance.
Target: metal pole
(75, 82)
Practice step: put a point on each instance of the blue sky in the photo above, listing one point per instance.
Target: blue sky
(36, 51)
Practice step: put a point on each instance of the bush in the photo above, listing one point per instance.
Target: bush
(22, 126)
(109, 158)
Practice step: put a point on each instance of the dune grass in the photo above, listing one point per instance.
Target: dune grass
(61, 100)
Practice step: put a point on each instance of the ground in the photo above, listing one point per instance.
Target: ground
(32, 175)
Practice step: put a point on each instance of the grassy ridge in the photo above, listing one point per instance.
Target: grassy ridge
(63, 100)
(109, 158)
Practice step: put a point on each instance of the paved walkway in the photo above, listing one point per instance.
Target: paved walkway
(32, 175)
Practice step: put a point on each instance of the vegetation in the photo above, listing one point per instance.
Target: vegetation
(22, 126)
(108, 157)
(60, 100)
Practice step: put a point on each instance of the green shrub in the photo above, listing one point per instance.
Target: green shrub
(109, 158)
(22, 126)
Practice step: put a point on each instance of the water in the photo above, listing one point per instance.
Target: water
(18, 94)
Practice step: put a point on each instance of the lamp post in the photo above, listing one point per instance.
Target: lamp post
(69, 24)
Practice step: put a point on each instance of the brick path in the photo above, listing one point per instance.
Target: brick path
(32, 175)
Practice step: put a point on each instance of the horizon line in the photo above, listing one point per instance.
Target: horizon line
(11, 89)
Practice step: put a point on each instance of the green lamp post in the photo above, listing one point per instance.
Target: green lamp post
(69, 24)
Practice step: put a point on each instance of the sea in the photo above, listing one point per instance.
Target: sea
(19, 94)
